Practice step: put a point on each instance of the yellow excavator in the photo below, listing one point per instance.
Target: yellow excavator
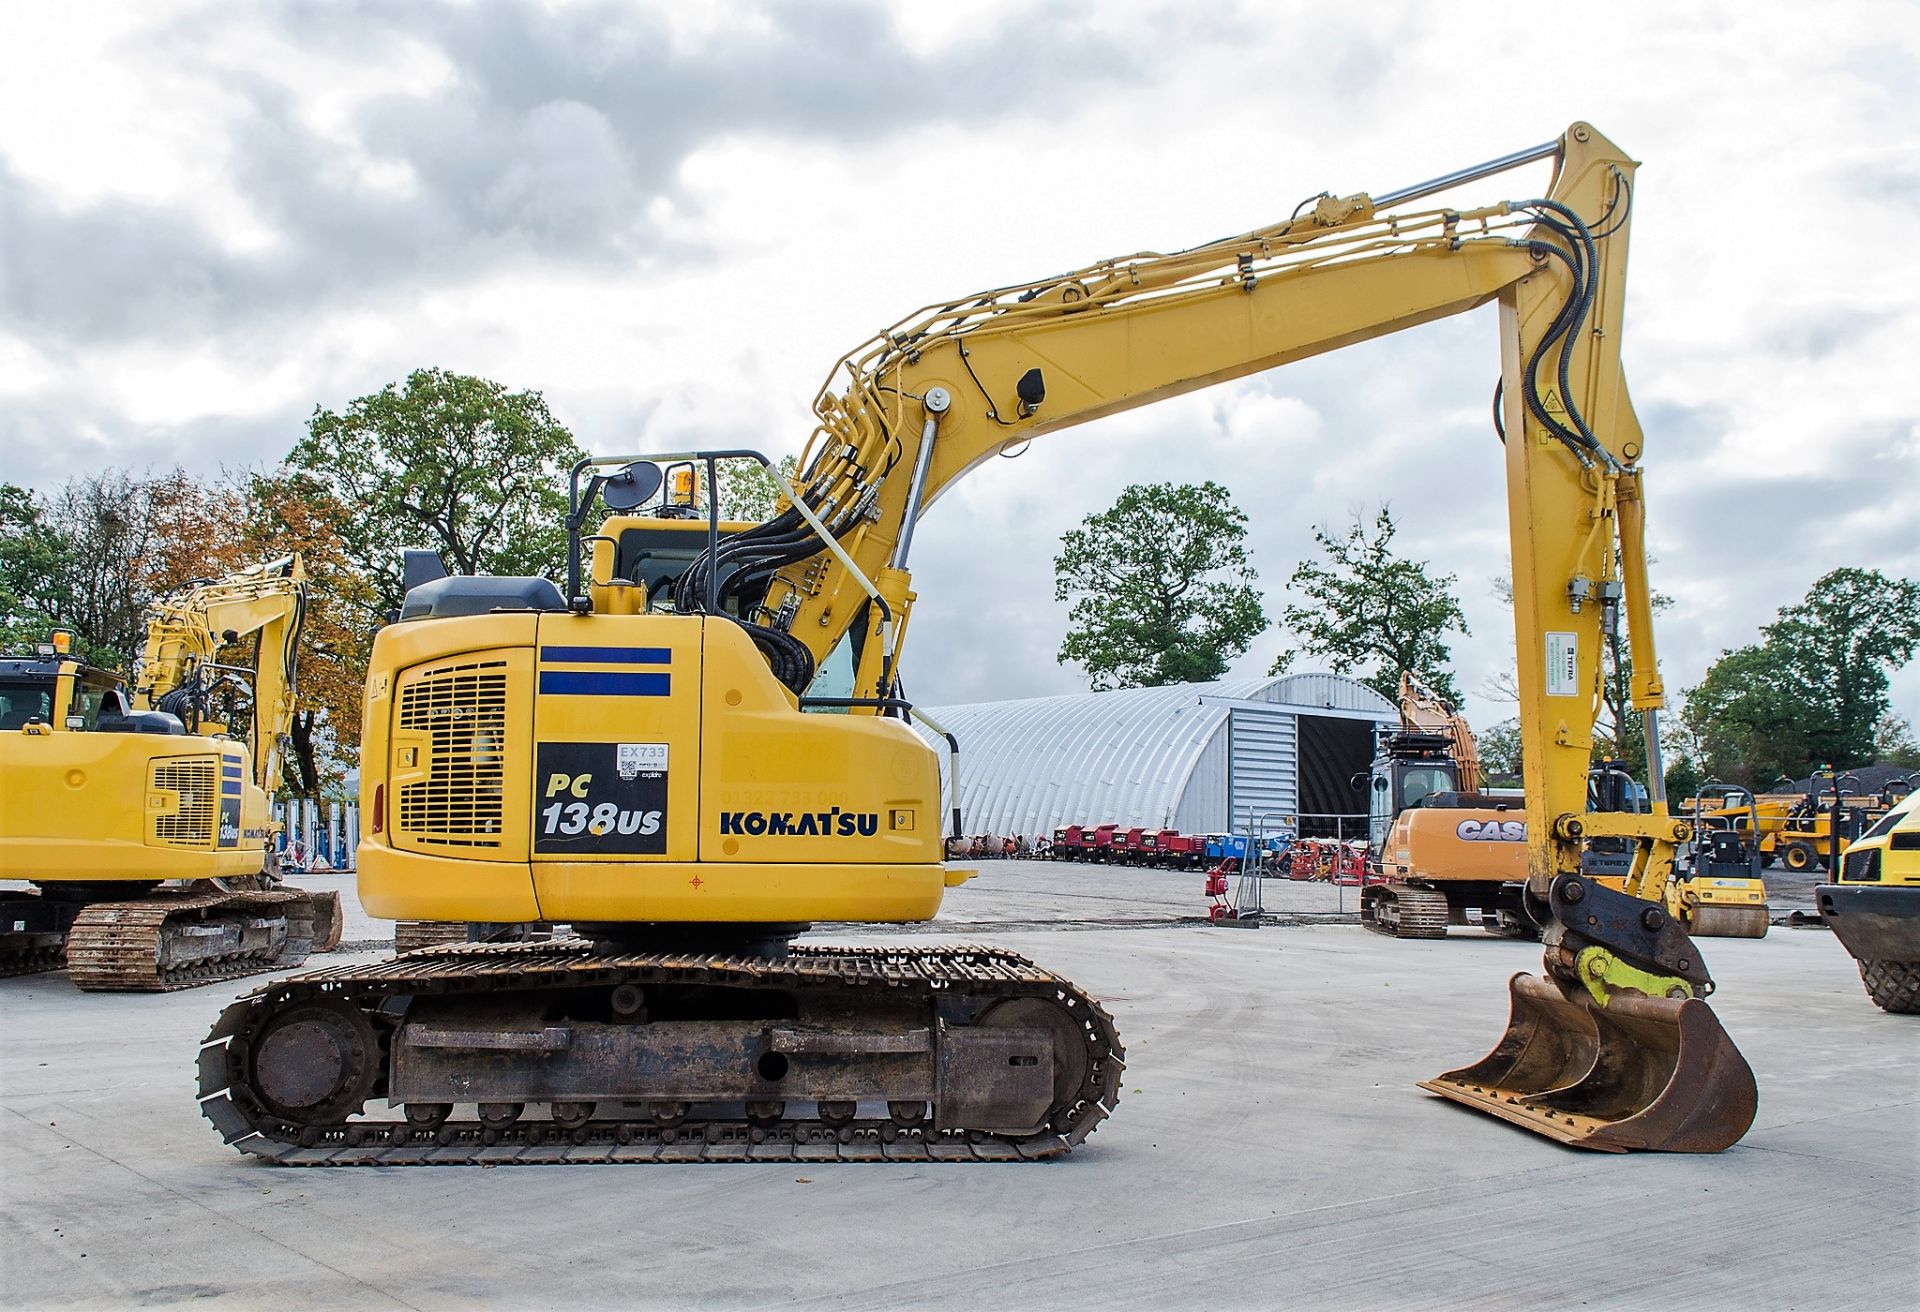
(650, 756)
(140, 817)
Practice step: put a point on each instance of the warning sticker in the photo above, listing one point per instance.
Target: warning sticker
(1563, 665)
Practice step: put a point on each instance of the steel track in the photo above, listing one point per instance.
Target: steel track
(117, 946)
(245, 1122)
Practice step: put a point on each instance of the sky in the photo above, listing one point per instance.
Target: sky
(672, 219)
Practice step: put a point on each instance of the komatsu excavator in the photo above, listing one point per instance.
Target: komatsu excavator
(110, 796)
(634, 755)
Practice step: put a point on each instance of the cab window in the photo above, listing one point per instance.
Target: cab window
(22, 700)
(1420, 783)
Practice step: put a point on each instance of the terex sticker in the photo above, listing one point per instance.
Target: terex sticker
(600, 798)
(1563, 664)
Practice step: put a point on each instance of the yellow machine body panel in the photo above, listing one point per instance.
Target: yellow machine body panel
(1888, 854)
(630, 768)
(84, 805)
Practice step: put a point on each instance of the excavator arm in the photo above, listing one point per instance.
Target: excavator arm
(1424, 711)
(1616, 1047)
(187, 629)
(958, 383)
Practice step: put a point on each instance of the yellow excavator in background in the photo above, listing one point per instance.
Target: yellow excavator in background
(110, 795)
(635, 755)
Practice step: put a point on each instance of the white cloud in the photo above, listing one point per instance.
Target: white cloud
(687, 264)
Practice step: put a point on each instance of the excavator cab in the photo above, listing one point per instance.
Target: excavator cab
(1408, 768)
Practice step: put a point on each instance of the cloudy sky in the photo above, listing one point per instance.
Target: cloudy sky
(672, 218)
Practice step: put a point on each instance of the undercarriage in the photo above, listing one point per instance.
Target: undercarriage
(120, 937)
(573, 1051)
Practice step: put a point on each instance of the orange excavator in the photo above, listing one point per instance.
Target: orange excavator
(1447, 852)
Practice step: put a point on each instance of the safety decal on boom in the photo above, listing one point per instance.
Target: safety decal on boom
(601, 798)
(1563, 664)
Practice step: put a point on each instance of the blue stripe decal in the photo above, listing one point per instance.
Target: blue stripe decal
(608, 655)
(594, 683)
(232, 772)
(229, 790)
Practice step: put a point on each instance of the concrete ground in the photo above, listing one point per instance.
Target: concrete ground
(1270, 1149)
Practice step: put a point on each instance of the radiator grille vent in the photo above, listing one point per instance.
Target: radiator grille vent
(197, 780)
(463, 710)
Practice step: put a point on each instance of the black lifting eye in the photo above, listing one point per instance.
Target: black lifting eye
(1032, 390)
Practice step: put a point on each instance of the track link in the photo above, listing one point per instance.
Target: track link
(922, 974)
(1405, 911)
(120, 946)
(32, 959)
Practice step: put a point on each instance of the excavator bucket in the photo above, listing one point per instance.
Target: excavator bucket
(1638, 1073)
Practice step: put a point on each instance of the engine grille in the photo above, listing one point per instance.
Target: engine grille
(197, 780)
(463, 710)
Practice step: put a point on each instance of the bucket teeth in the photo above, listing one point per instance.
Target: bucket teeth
(1639, 1073)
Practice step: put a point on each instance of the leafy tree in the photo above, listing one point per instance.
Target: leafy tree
(748, 492)
(1500, 748)
(93, 555)
(285, 513)
(1893, 743)
(448, 461)
(1161, 587)
(1813, 691)
(1684, 778)
(1374, 611)
(33, 561)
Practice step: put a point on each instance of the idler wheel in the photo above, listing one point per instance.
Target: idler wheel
(1070, 1062)
(316, 1063)
(572, 1115)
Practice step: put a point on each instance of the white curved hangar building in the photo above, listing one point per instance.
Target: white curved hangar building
(1198, 757)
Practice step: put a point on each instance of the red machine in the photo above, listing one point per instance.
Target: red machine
(1138, 847)
(1178, 849)
(1101, 846)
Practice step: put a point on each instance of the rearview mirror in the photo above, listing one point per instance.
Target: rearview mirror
(632, 487)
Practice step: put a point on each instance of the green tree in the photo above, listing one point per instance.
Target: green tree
(284, 513)
(91, 556)
(33, 565)
(447, 461)
(748, 492)
(1893, 743)
(1499, 746)
(1371, 610)
(1161, 586)
(1813, 691)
